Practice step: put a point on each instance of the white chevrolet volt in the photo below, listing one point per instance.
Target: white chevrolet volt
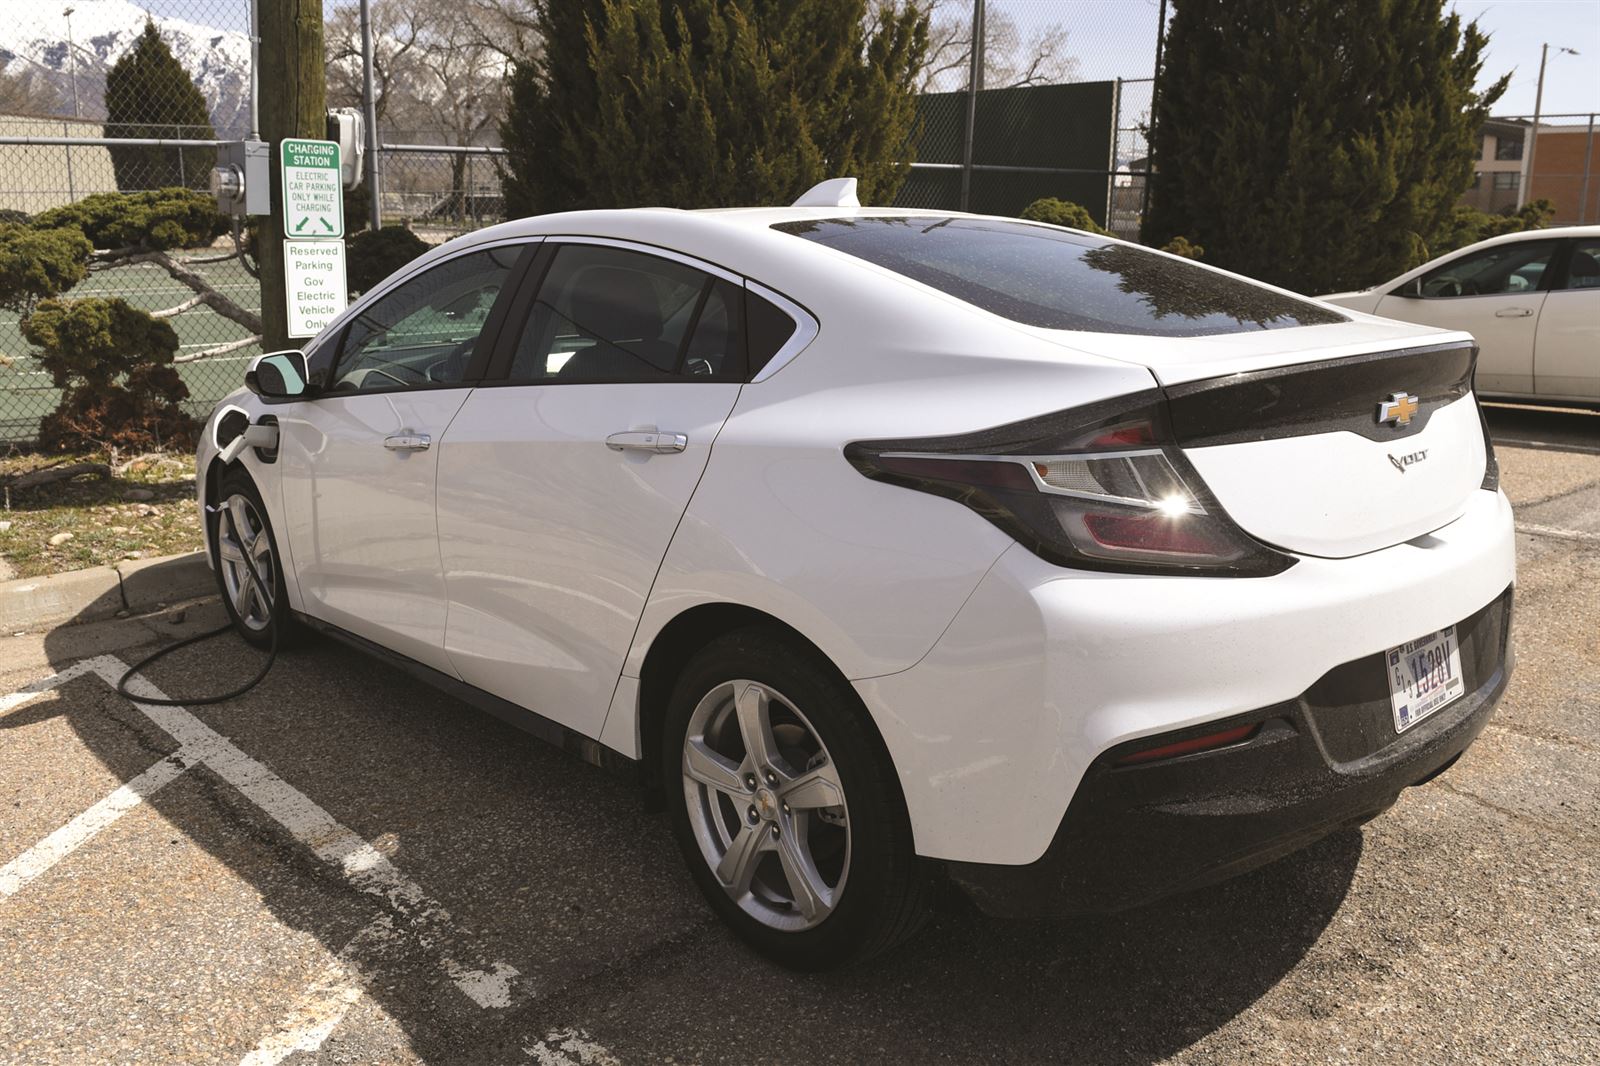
(893, 545)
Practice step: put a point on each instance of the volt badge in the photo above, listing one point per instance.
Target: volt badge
(1398, 409)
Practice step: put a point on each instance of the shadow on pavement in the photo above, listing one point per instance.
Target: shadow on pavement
(566, 874)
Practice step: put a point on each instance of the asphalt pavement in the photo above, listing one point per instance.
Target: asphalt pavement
(343, 867)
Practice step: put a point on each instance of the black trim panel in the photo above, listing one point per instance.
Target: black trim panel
(569, 740)
(1324, 397)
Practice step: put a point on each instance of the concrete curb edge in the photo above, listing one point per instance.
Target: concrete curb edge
(102, 591)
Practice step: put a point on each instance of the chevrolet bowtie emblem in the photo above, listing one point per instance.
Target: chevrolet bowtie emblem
(1397, 409)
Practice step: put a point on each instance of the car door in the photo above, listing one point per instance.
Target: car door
(560, 485)
(1566, 360)
(1496, 294)
(359, 457)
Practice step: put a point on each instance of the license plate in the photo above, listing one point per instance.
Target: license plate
(1424, 675)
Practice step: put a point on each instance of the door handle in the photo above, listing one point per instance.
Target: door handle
(652, 441)
(1513, 312)
(408, 442)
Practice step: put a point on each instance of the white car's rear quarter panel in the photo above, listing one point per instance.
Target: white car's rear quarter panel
(1045, 668)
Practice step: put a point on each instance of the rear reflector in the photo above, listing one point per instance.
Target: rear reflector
(1193, 744)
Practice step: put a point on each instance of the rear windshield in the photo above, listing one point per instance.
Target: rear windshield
(1057, 279)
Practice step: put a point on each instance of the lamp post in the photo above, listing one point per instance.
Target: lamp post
(1538, 106)
(72, 63)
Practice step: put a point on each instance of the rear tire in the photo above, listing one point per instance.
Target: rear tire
(248, 610)
(799, 838)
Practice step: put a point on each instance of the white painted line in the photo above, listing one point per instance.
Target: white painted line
(570, 1047)
(64, 841)
(320, 1009)
(365, 867)
(1553, 531)
(33, 690)
(1509, 442)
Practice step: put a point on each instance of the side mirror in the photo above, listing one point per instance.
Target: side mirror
(278, 376)
(1411, 290)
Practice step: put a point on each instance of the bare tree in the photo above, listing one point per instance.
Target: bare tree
(1012, 55)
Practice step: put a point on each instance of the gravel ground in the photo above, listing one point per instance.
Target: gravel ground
(367, 872)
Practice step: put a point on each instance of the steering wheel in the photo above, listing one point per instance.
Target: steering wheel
(437, 371)
(1449, 287)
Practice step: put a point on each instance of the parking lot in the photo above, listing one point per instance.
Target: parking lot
(343, 867)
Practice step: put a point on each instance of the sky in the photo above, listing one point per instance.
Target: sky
(1116, 38)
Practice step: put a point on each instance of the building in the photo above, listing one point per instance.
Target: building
(1497, 175)
(1566, 168)
(37, 177)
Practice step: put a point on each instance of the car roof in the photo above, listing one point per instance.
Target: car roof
(1553, 233)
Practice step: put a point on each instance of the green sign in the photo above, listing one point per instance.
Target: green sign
(313, 194)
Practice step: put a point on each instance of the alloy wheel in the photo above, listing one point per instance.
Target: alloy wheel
(247, 535)
(766, 805)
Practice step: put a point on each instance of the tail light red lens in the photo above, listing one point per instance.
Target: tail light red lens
(1100, 487)
(1193, 744)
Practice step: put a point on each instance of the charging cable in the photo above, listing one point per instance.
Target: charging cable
(273, 620)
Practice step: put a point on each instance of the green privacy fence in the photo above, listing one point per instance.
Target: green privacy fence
(997, 150)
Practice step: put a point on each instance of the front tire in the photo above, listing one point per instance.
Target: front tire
(248, 605)
(786, 807)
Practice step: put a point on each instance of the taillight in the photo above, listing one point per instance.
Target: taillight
(1101, 487)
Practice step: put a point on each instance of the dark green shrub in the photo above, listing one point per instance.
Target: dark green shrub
(1062, 213)
(372, 255)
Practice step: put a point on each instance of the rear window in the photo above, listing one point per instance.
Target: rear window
(1056, 279)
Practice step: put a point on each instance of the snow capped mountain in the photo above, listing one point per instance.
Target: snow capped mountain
(34, 37)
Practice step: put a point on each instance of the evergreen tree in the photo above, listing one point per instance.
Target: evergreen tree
(704, 103)
(149, 94)
(1315, 144)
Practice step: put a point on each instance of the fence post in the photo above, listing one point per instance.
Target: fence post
(369, 104)
(72, 193)
(974, 85)
(1588, 160)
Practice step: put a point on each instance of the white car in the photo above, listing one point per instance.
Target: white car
(1531, 300)
(894, 545)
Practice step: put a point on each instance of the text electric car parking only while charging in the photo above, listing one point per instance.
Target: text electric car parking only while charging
(893, 545)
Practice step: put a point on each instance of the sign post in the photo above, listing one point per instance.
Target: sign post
(313, 225)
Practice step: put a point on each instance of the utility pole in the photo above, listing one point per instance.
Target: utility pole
(72, 64)
(369, 102)
(1525, 194)
(293, 95)
(974, 87)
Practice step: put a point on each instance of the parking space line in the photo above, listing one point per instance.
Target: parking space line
(64, 841)
(1559, 534)
(363, 866)
(320, 1009)
(34, 689)
(412, 913)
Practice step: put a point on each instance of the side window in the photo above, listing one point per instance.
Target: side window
(767, 329)
(1505, 268)
(611, 314)
(1583, 272)
(424, 331)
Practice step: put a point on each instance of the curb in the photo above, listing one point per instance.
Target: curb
(103, 591)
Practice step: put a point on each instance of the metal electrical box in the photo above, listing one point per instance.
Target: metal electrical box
(242, 178)
(347, 129)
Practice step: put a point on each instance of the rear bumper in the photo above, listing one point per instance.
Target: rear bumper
(1327, 759)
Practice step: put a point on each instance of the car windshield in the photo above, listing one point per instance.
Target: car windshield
(1057, 279)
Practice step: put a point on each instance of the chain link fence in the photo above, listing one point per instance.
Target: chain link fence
(1561, 164)
(91, 96)
(1044, 109)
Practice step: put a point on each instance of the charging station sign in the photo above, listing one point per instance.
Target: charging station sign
(314, 282)
(313, 190)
